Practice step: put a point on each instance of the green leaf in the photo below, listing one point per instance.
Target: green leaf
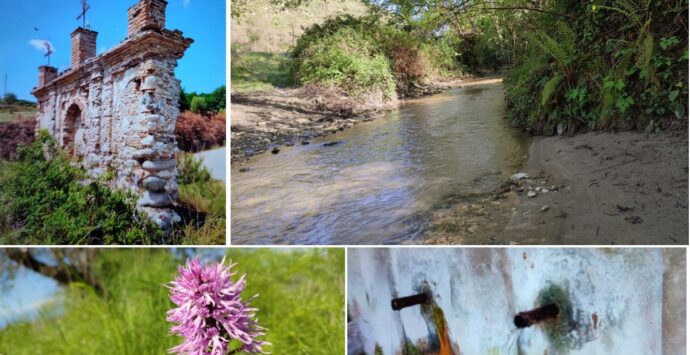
(550, 88)
(673, 95)
(679, 111)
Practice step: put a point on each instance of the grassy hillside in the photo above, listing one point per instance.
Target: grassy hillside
(264, 33)
(16, 113)
(266, 28)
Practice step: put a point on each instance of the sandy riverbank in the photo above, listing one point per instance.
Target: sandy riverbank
(599, 188)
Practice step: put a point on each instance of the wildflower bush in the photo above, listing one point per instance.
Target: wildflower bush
(300, 302)
(45, 199)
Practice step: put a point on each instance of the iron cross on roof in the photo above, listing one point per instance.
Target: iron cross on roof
(84, 8)
(49, 50)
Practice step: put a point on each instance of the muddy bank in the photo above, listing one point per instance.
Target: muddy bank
(266, 120)
(596, 188)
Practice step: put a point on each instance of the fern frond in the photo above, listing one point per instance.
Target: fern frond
(631, 15)
(567, 37)
(550, 88)
(553, 48)
(644, 57)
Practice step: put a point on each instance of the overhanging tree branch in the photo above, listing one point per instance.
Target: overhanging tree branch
(63, 274)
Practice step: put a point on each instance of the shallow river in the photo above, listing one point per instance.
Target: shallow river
(378, 185)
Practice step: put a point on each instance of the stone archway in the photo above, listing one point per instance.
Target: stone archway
(72, 126)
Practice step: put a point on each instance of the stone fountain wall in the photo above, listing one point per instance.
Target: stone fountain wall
(116, 112)
(624, 301)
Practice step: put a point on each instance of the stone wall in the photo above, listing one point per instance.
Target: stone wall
(116, 112)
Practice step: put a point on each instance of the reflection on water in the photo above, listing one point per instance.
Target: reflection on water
(378, 185)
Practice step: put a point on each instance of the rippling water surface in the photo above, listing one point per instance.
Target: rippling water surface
(379, 183)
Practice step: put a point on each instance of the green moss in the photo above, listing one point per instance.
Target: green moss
(558, 330)
(409, 348)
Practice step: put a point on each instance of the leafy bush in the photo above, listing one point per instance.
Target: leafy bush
(9, 99)
(213, 102)
(198, 105)
(341, 53)
(364, 55)
(45, 200)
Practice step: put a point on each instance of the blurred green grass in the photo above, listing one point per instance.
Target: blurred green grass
(17, 114)
(301, 302)
(255, 71)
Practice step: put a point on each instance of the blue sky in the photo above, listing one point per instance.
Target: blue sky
(202, 69)
(30, 292)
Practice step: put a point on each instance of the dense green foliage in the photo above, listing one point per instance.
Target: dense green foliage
(10, 98)
(572, 65)
(619, 64)
(365, 55)
(300, 301)
(213, 102)
(45, 200)
(343, 52)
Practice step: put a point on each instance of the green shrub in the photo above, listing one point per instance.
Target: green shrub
(191, 170)
(346, 57)
(45, 200)
(198, 105)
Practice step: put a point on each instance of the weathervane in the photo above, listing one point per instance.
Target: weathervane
(84, 8)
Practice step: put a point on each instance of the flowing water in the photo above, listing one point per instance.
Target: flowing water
(381, 180)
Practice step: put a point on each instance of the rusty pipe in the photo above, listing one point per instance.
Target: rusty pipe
(402, 302)
(537, 315)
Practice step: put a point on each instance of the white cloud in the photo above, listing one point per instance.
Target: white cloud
(40, 44)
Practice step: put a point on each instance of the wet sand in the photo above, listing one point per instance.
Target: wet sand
(598, 188)
(613, 188)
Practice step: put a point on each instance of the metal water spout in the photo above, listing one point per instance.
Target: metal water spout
(537, 315)
(400, 303)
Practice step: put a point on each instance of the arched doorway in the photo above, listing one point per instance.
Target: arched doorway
(73, 122)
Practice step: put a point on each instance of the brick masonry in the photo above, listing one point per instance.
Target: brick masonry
(116, 112)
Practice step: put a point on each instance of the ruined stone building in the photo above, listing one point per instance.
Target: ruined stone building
(116, 112)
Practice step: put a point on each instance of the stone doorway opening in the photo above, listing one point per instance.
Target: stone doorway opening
(73, 122)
